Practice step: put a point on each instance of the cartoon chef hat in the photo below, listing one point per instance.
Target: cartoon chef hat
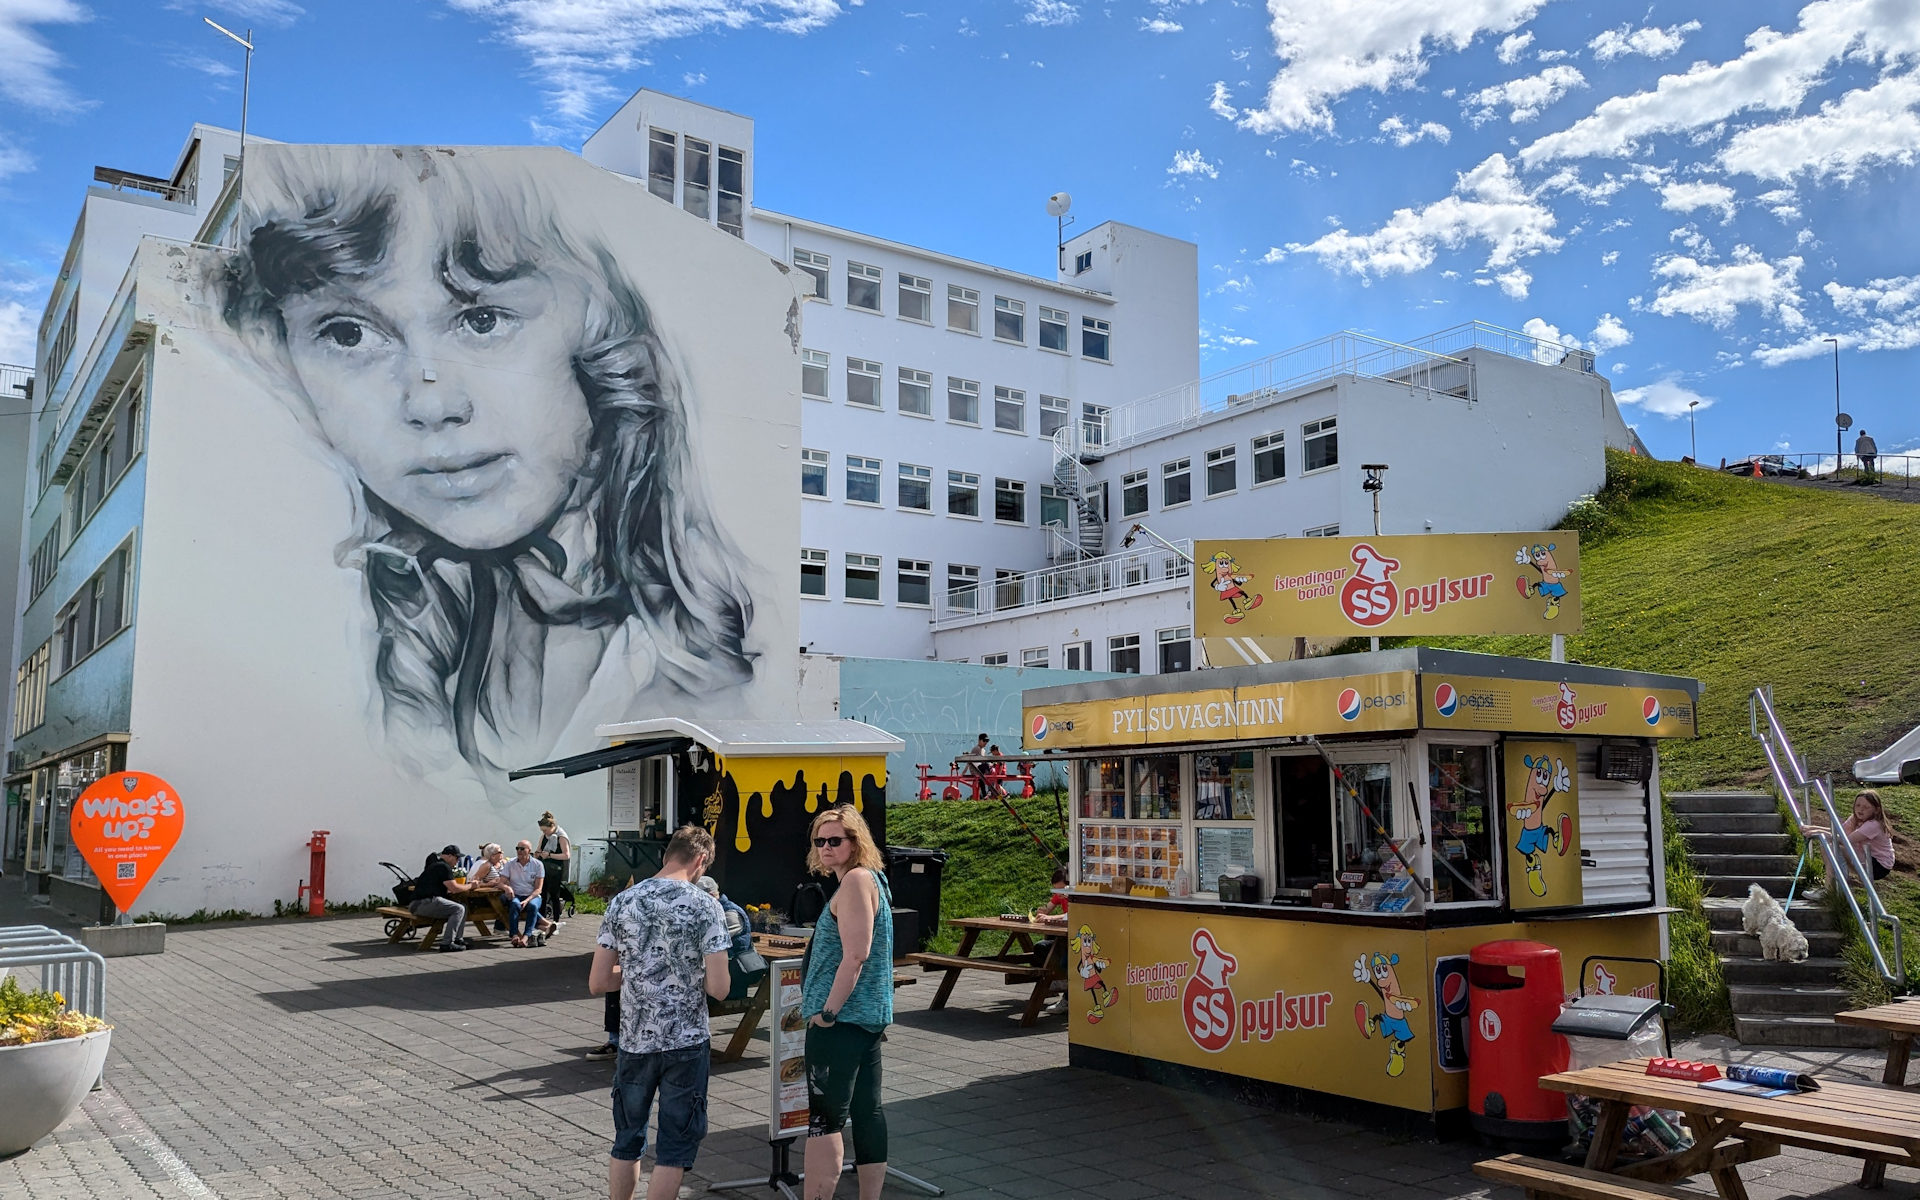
(1373, 566)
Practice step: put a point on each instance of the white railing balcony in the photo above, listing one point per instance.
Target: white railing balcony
(1139, 569)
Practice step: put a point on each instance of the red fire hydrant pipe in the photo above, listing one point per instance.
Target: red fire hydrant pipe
(317, 871)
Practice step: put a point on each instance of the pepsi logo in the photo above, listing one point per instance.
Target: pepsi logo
(1446, 701)
(1453, 994)
(1650, 709)
(1349, 704)
(1039, 727)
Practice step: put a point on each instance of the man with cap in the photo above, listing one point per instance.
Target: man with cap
(433, 897)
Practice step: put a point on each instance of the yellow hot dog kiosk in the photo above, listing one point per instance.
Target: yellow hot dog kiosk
(1279, 870)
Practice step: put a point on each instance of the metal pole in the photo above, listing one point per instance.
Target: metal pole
(1836, 406)
(246, 94)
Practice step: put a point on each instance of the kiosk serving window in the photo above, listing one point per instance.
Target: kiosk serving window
(1366, 842)
(1133, 814)
(1223, 816)
(1460, 798)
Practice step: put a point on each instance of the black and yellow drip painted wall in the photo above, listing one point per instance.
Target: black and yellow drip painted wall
(761, 809)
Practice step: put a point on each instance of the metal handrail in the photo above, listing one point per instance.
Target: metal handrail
(1844, 867)
(1829, 468)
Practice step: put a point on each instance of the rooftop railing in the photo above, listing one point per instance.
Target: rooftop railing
(1141, 568)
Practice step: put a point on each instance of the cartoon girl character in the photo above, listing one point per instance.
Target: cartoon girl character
(1550, 584)
(1099, 992)
(1226, 581)
(1391, 1021)
(535, 548)
(1545, 780)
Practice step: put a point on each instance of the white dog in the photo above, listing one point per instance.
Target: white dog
(1762, 917)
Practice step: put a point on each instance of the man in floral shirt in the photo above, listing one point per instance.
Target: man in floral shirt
(663, 945)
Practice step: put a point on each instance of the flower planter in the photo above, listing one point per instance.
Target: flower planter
(43, 1082)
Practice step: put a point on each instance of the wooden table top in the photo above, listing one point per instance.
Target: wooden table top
(1902, 1016)
(778, 945)
(1849, 1111)
(1001, 924)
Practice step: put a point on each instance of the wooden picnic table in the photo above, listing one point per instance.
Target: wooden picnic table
(1857, 1120)
(1015, 959)
(1901, 1021)
(772, 947)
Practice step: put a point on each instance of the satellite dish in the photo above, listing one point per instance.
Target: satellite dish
(1058, 204)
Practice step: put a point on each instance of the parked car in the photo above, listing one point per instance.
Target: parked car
(1770, 464)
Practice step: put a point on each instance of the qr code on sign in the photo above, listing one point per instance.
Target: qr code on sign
(123, 870)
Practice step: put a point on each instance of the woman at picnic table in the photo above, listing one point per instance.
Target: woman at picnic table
(489, 874)
(847, 1002)
(1869, 831)
(555, 853)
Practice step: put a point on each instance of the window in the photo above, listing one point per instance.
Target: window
(863, 481)
(1083, 262)
(1096, 339)
(1053, 329)
(863, 577)
(963, 309)
(1076, 656)
(1133, 494)
(97, 611)
(698, 163)
(813, 374)
(733, 178)
(1055, 412)
(1176, 649)
(1035, 657)
(963, 401)
(813, 472)
(1009, 320)
(916, 299)
(815, 265)
(994, 660)
(963, 494)
(916, 392)
(963, 588)
(1176, 482)
(1093, 424)
(46, 561)
(1008, 589)
(1123, 654)
(1010, 409)
(63, 341)
(813, 572)
(915, 583)
(916, 487)
(30, 690)
(863, 382)
(1269, 458)
(1054, 508)
(660, 156)
(863, 287)
(1010, 501)
(1320, 445)
(1222, 471)
(74, 511)
(1323, 531)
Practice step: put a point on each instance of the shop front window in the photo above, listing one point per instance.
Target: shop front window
(1462, 806)
(1103, 788)
(39, 827)
(1156, 788)
(72, 777)
(1223, 817)
(1364, 814)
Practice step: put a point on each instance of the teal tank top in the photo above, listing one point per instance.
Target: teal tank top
(870, 1006)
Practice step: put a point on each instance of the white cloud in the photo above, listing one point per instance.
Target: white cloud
(1609, 258)
(1402, 134)
(1553, 345)
(1782, 203)
(1051, 12)
(1160, 25)
(1714, 293)
(1515, 282)
(1651, 42)
(1191, 164)
(204, 64)
(28, 77)
(1867, 127)
(1513, 46)
(267, 12)
(1886, 316)
(13, 160)
(1775, 75)
(17, 329)
(1687, 195)
(1221, 103)
(1329, 50)
(1523, 98)
(1609, 333)
(1667, 398)
(1488, 205)
(694, 79)
(576, 46)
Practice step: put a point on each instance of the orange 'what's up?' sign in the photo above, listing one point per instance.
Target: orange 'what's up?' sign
(125, 825)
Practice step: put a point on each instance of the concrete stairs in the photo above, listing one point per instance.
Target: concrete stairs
(1740, 838)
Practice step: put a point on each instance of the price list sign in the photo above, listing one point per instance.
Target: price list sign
(787, 1097)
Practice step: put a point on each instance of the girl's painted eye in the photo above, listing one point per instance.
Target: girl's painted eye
(481, 320)
(343, 333)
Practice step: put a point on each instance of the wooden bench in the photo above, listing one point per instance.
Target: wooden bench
(1046, 979)
(401, 922)
(1540, 1179)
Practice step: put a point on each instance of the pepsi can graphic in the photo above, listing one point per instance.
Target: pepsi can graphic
(1450, 1012)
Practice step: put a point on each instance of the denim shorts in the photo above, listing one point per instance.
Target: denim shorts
(679, 1077)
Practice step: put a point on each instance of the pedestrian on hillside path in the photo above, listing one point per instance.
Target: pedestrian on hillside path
(1866, 450)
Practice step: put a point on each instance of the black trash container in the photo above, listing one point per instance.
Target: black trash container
(914, 875)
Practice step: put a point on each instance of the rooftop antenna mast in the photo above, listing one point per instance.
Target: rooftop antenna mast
(1058, 206)
(246, 85)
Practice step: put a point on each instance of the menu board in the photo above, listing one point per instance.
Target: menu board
(787, 1095)
(623, 797)
(1149, 855)
(1221, 850)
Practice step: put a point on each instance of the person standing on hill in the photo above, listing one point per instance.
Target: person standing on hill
(1866, 450)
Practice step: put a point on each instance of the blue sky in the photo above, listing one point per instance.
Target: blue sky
(1698, 192)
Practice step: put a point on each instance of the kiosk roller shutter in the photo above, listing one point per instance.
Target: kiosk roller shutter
(1615, 844)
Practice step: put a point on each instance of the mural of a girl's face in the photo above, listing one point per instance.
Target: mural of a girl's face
(484, 453)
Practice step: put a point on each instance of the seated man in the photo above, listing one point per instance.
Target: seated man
(525, 877)
(433, 898)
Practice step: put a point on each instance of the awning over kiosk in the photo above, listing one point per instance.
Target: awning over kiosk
(596, 760)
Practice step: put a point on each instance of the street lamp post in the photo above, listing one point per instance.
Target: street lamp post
(1693, 439)
(1838, 424)
(246, 83)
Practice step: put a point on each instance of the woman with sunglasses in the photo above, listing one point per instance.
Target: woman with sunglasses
(847, 1001)
(555, 854)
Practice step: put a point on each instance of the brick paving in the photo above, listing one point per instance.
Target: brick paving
(309, 1059)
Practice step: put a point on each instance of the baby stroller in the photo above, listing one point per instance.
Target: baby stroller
(403, 896)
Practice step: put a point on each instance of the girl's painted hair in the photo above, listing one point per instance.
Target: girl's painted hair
(865, 853)
(329, 213)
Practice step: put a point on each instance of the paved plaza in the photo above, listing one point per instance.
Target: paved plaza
(309, 1059)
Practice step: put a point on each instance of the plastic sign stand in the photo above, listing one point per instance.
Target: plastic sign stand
(125, 824)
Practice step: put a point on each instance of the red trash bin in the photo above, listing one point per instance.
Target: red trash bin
(1514, 993)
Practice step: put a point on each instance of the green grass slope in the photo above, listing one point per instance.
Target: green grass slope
(993, 865)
